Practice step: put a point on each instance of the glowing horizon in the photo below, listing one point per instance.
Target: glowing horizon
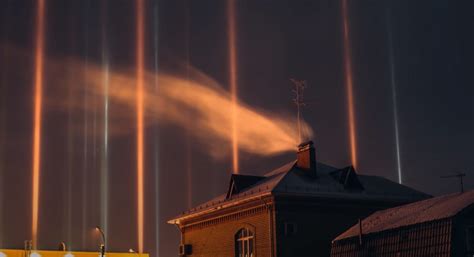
(38, 91)
(349, 85)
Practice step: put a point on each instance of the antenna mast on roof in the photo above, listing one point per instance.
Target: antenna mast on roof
(299, 85)
(460, 176)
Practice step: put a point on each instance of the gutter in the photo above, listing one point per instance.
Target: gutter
(179, 220)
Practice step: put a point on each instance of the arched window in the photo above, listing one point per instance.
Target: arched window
(244, 243)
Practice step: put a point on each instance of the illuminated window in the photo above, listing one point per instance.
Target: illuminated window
(244, 243)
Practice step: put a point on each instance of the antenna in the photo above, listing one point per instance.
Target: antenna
(460, 176)
(299, 85)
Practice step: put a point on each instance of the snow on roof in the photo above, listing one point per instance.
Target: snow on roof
(410, 214)
(290, 180)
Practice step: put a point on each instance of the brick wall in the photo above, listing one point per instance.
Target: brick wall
(215, 237)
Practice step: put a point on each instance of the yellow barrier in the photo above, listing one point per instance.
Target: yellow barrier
(23, 253)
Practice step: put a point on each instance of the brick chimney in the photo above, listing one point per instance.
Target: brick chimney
(306, 158)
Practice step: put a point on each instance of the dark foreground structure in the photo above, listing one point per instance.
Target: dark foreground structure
(438, 227)
(295, 210)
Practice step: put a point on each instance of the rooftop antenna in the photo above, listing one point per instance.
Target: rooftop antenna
(299, 85)
(460, 176)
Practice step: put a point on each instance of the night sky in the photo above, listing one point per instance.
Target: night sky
(432, 45)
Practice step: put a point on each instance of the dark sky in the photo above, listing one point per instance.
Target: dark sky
(276, 40)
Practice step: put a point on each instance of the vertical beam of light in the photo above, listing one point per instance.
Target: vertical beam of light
(70, 132)
(189, 157)
(393, 85)
(349, 84)
(86, 132)
(104, 173)
(3, 111)
(156, 137)
(140, 119)
(70, 154)
(38, 98)
(3, 138)
(231, 23)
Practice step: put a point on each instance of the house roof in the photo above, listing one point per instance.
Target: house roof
(290, 180)
(410, 214)
(240, 182)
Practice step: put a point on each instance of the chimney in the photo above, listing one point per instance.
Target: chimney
(306, 158)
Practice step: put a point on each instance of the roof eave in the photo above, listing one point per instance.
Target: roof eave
(178, 220)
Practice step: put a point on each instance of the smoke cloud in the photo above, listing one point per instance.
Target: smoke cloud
(171, 99)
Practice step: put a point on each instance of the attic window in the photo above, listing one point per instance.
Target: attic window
(239, 183)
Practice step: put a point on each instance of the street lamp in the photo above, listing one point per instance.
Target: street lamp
(102, 246)
(133, 251)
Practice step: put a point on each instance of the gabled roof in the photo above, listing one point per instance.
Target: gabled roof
(331, 183)
(410, 214)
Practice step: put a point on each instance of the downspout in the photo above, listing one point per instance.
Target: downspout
(271, 226)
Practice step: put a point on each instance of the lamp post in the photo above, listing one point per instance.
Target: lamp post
(102, 246)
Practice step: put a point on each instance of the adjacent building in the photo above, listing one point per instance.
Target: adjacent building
(437, 227)
(295, 210)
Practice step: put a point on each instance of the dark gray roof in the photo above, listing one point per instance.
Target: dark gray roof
(423, 211)
(290, 180)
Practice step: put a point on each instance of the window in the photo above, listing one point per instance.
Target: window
(290, 228)
(244, 243)
(470, 240)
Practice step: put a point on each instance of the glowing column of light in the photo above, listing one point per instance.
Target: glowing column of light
(3, 115)
(72, 77)
(156, 141)
(140, 120)
(233, 81)
(3, 138)
(38, 95)
(104, 174)
(394, 97)
(70, 154)
(189, 157)
(349, 84)
(85, 228)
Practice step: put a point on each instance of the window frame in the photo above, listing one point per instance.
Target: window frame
(244, 242)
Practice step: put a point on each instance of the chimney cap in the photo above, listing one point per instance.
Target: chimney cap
(305, 145)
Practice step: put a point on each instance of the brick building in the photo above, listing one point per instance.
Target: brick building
(437, 227)
(295, 210)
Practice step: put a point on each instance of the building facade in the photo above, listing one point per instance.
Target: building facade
(295, 210)
(441, 227)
